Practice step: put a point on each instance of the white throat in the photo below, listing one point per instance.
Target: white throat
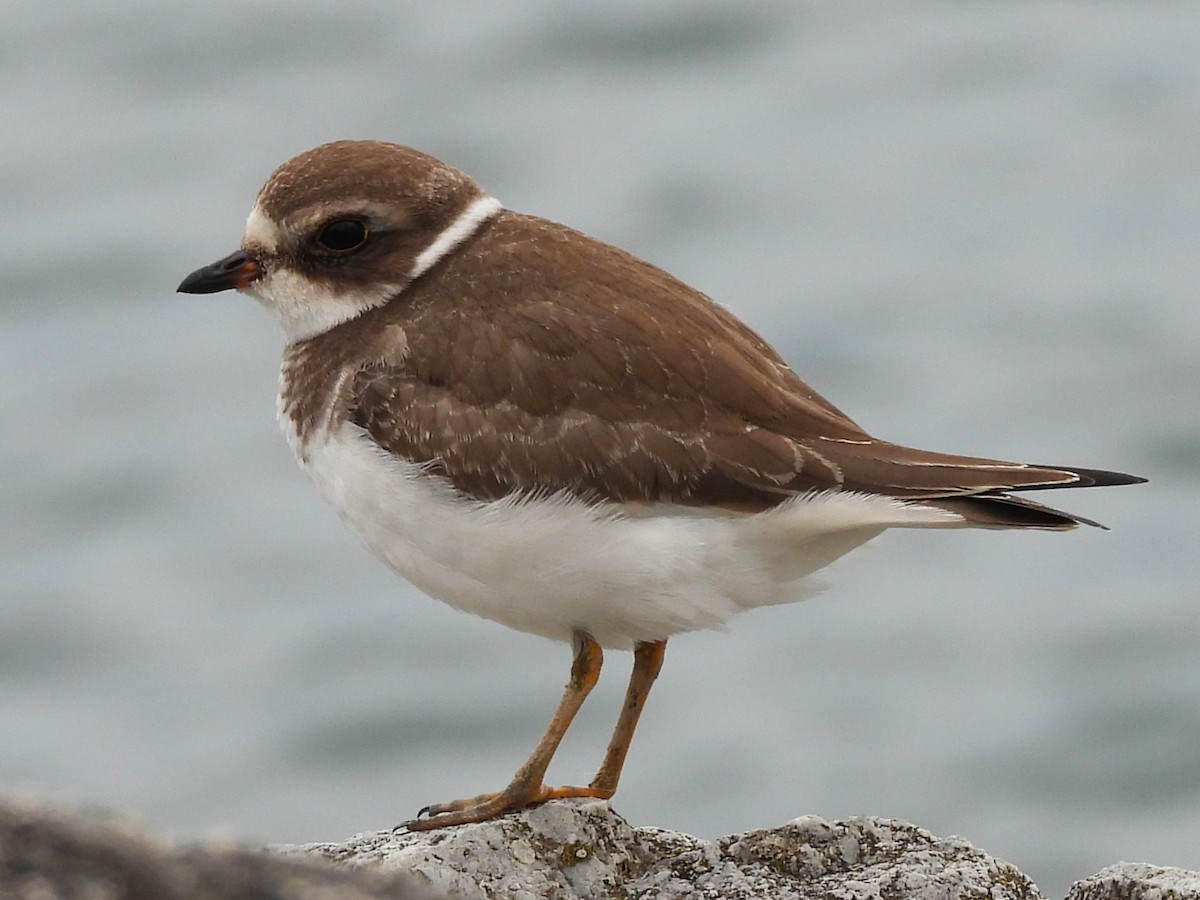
(305, 308)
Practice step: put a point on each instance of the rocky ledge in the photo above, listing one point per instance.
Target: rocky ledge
(567, 850)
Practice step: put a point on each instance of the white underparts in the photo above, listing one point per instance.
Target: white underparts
(555, 564)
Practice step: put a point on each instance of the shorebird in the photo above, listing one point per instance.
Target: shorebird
(539, 428)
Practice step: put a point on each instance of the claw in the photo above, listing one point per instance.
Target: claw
(490, 806)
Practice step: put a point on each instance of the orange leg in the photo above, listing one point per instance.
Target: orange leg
(647, 661)
(527, 787)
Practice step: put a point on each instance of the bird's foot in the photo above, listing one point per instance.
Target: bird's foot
(490, 806)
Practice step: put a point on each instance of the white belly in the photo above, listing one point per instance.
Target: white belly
(553, 565)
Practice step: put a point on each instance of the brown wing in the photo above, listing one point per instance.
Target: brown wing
(540, 360)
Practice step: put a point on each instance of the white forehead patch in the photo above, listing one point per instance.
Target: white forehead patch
(261, 231)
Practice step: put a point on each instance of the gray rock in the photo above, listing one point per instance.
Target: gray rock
(567, 850)
(59, 855)
(581, 850)
(1137, 881)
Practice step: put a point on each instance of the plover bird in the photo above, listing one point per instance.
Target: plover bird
(541, 429)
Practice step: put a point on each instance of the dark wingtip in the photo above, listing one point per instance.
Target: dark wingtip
(1103, 478)
(1083, 478)
(1001, 509)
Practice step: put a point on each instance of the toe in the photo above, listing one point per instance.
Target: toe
(490, 806)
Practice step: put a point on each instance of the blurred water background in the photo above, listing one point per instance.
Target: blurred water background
(974, 226)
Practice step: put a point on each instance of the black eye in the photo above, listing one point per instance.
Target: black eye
(343, 235)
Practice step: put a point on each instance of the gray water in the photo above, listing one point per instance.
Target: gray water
(973, 226)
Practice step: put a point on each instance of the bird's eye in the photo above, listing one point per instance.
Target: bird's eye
(343, 235)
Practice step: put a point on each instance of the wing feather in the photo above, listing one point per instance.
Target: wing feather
(603, 375)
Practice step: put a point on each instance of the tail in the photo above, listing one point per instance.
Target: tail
(1003, 510)
(979, 490)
